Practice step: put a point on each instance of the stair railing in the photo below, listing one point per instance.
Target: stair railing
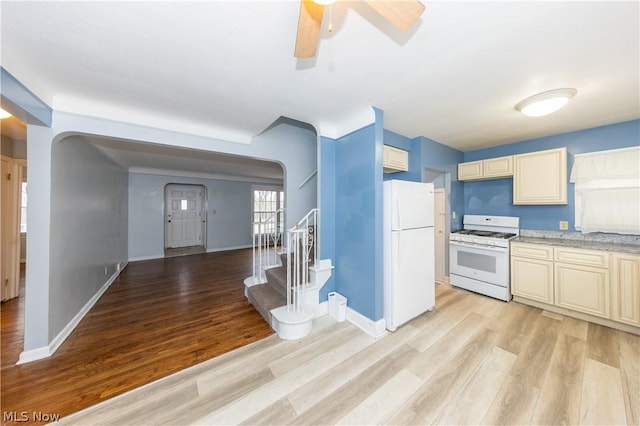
(265, 243)
(301, 254)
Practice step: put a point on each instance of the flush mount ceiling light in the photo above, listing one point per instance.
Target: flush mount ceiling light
(545, 103)
(4, 114)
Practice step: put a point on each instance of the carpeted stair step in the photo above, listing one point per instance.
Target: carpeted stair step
(264, 298)
(277, 279)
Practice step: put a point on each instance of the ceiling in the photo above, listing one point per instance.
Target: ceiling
(226, 68)
(154, 159)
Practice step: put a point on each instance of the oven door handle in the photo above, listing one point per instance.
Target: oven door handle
(479, 246)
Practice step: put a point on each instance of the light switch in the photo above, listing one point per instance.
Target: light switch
(564, 225)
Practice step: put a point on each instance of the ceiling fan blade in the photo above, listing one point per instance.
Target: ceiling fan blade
(308, 29)
(402, 14)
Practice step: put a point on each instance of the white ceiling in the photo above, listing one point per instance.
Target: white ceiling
(159, 159)
(226, 68)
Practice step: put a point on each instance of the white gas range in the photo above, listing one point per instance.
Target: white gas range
(479, 255)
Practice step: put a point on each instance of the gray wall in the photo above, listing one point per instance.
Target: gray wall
(88, 226)
(293, 146)
(229, 227)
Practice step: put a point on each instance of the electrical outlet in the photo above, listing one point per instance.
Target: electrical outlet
(106, 270)
(564, 225)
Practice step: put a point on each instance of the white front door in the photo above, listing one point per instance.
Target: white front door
(184, 216)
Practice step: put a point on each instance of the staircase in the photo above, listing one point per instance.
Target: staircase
(273, 293)
(289, 299)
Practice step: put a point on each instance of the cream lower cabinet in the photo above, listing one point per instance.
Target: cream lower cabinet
(598, 283)
(625, 293)
(532, 272)
(582, 281)
(582, 288)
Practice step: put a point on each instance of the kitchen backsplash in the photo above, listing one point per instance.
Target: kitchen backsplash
(597, 236)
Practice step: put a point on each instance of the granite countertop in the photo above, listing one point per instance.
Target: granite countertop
(581, 244)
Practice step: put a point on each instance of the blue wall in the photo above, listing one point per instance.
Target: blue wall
(358, 218)
(327, 204)
(437, 156)
(495, 197)
(415, 157)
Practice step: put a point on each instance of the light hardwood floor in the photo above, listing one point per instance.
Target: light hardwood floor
(473, 360)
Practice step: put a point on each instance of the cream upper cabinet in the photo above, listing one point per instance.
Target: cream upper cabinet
(394, 159)
(540, 177)
(625, 294)
(469, 171)
(532, 271)
(498, 167)
(491, 168)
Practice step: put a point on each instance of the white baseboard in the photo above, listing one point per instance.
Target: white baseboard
(228, 248)
(375, 329)
(139, 258)
(52, 347)
(34, 355)
(322, 309)
(445, 280)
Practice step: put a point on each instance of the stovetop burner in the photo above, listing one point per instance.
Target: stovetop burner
(486, 234)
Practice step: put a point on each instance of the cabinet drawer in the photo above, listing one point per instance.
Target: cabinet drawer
(599, 259)
(532, 251)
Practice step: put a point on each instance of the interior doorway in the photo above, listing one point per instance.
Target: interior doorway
(185, 217)
(442, 186)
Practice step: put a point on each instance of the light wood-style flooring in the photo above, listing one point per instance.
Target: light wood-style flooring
(473, 360)
(159, 317)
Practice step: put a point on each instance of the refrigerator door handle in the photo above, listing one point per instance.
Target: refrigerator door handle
(398, 213)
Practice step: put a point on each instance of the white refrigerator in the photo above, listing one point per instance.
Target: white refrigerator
(408, 270)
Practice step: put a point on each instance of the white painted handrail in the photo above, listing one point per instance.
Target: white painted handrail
(265, 243)
(304, 182)
(301, 253)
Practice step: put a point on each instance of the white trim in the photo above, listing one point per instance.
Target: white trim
(34, 355)
(52, 347)
(375, 329)
(322, 309)
(139, 258)
(445, 280)
(213, 250)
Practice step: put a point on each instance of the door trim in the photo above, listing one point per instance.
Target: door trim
(204, 208)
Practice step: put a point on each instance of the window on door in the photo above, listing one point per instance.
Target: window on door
(266, 202)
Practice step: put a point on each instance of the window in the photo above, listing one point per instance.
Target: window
(607, 191)
(266, 202)
(23, 208)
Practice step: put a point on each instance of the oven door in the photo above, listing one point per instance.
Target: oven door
(478, 262)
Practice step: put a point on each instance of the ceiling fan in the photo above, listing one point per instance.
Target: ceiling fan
(401, 13)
